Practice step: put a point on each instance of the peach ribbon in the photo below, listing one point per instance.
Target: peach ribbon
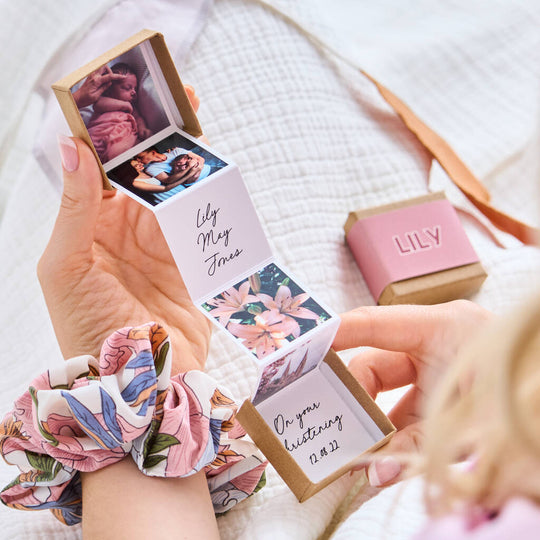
(457, 170)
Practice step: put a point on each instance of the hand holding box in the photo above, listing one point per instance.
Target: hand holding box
(309, 415)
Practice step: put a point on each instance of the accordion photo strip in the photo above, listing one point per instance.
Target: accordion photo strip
(308, 414)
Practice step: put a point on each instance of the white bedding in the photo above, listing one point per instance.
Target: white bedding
(314, 140)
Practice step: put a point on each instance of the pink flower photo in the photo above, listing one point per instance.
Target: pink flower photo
(266, 311)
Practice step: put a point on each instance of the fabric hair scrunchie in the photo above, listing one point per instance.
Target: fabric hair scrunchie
(87, 414)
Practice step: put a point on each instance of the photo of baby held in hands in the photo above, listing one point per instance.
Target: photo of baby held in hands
(165, 169)
(119, 105)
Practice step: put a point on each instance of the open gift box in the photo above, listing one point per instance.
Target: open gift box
(308, 414)
(317, 427)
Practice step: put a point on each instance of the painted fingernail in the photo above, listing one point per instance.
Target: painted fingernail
(382, 471)
(68, 153)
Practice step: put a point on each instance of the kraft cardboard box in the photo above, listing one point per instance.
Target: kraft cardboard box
(319, 429)
(414, 251)
(159, 85)
(143, 131)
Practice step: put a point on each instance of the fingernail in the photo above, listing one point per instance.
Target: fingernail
(68, 153)
(383, 470)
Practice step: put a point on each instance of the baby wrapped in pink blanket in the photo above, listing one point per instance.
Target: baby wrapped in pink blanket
(117, 125)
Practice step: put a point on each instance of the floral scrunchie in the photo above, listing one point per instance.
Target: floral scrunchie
(87, 414)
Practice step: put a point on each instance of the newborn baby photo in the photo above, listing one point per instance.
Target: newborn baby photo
(165, 169)
(119, 105)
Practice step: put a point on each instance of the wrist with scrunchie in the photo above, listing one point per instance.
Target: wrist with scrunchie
(88, 414)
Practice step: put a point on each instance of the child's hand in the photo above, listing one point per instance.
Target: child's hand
(413, 345)
(126, 106)
(144, 133)
(194, 167)
(107, 266)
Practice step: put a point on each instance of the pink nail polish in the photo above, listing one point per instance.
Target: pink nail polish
(383, 470)
(68, 153)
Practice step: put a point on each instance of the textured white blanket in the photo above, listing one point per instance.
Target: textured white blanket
(314, 140)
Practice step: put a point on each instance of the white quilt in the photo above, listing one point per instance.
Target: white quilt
(314, 140)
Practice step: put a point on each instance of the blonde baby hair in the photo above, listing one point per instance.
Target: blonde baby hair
(486, 415)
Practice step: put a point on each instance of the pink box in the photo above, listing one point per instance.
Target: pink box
(414, 251)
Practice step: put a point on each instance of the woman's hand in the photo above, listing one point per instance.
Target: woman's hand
(411, 345)
(107, 266)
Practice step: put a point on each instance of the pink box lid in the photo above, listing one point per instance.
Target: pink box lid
(409, 242)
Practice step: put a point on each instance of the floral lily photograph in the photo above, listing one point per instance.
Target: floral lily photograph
(266, 311)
